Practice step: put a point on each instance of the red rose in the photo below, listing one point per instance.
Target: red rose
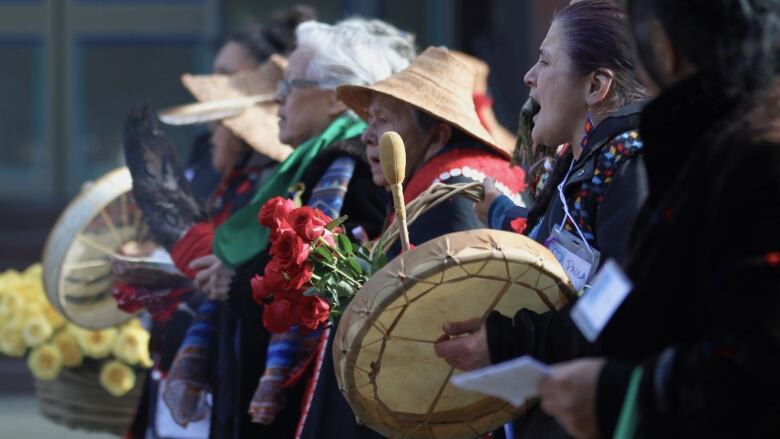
(309, 223)
(274, 212)
(280, 315)
(289, 249)
(285, 279)
(260, 290)
(519, 225)
(313, 312)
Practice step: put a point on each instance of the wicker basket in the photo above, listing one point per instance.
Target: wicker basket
(77, 400)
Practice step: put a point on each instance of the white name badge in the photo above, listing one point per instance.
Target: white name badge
(577, 261)
(593, 310)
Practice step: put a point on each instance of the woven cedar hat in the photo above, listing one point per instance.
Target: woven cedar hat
(243, 102)
(437, 83)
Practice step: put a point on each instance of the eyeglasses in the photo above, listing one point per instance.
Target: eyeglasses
(285, 86)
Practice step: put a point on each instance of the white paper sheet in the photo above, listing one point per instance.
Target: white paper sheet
(514, 381)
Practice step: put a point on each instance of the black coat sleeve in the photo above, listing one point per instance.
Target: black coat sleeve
(615, 216)
(553, 336)
(725, 382)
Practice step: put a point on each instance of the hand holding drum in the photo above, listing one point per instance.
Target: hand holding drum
(392, 157)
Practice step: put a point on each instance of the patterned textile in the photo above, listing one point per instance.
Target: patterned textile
(290, 354)
(188, 380)
(619, 149)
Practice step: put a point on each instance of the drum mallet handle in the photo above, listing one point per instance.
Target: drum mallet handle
(392, 156)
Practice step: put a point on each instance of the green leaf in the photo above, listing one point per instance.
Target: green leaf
(345, 244)
(380, 260)
(324, 253)
(343, 289)
(310, 292)
(333, 225)
(365, 266)
(353, 263)
(364, 253)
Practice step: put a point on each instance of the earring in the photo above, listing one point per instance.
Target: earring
(588, 129)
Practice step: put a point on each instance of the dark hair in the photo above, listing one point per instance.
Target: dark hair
(426, 122)
(597, 36)
(735, 41)
(276, 36)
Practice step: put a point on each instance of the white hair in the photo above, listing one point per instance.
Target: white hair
(348, 54)
(398, 40)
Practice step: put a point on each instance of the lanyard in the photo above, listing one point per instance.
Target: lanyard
(567, 215)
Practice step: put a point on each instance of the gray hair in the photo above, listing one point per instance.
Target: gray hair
(400, 41)
(349, 53)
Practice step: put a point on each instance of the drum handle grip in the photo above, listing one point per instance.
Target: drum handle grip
(400, 215)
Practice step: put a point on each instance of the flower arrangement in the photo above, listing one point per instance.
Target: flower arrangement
(31, 327)
(314, 271)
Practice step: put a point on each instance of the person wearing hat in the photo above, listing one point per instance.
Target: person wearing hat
(329, 161)
(430, 105)
(244, 156)
(242, 51)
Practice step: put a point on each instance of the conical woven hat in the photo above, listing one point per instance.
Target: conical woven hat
(256, 122)
(437, 83)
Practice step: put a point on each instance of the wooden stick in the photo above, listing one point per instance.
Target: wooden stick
(392, 156)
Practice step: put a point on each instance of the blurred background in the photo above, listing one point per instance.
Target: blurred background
(71, 69)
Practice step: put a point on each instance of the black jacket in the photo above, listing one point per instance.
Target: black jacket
(552, 337)
(704, 316)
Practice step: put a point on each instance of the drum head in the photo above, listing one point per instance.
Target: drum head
(383, 351)
(80, 247)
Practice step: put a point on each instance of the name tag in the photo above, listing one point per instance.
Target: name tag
(596, 307)
(577, 261)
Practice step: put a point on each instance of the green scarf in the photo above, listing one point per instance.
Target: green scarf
(241, 237)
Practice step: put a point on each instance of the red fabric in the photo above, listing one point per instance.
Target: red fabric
(482, 102)
(161, 304)
(194, 244)
(773, 259)
(312, 384)
(519, 224)
(483, 161)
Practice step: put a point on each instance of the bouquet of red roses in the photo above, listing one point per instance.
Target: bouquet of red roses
(314, 271)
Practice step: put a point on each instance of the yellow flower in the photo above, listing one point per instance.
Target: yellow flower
(36, 331)
(34, 271)
(11, 341)
(71, 354)
(134, 323)
(132, 345)
(95, 344)
(55, 319)
(117, 378)
(45, 362)
(10, 301)
(26, 311)
(10, 276)
(30, 289)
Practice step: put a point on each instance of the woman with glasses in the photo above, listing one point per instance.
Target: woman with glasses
(326, 148)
